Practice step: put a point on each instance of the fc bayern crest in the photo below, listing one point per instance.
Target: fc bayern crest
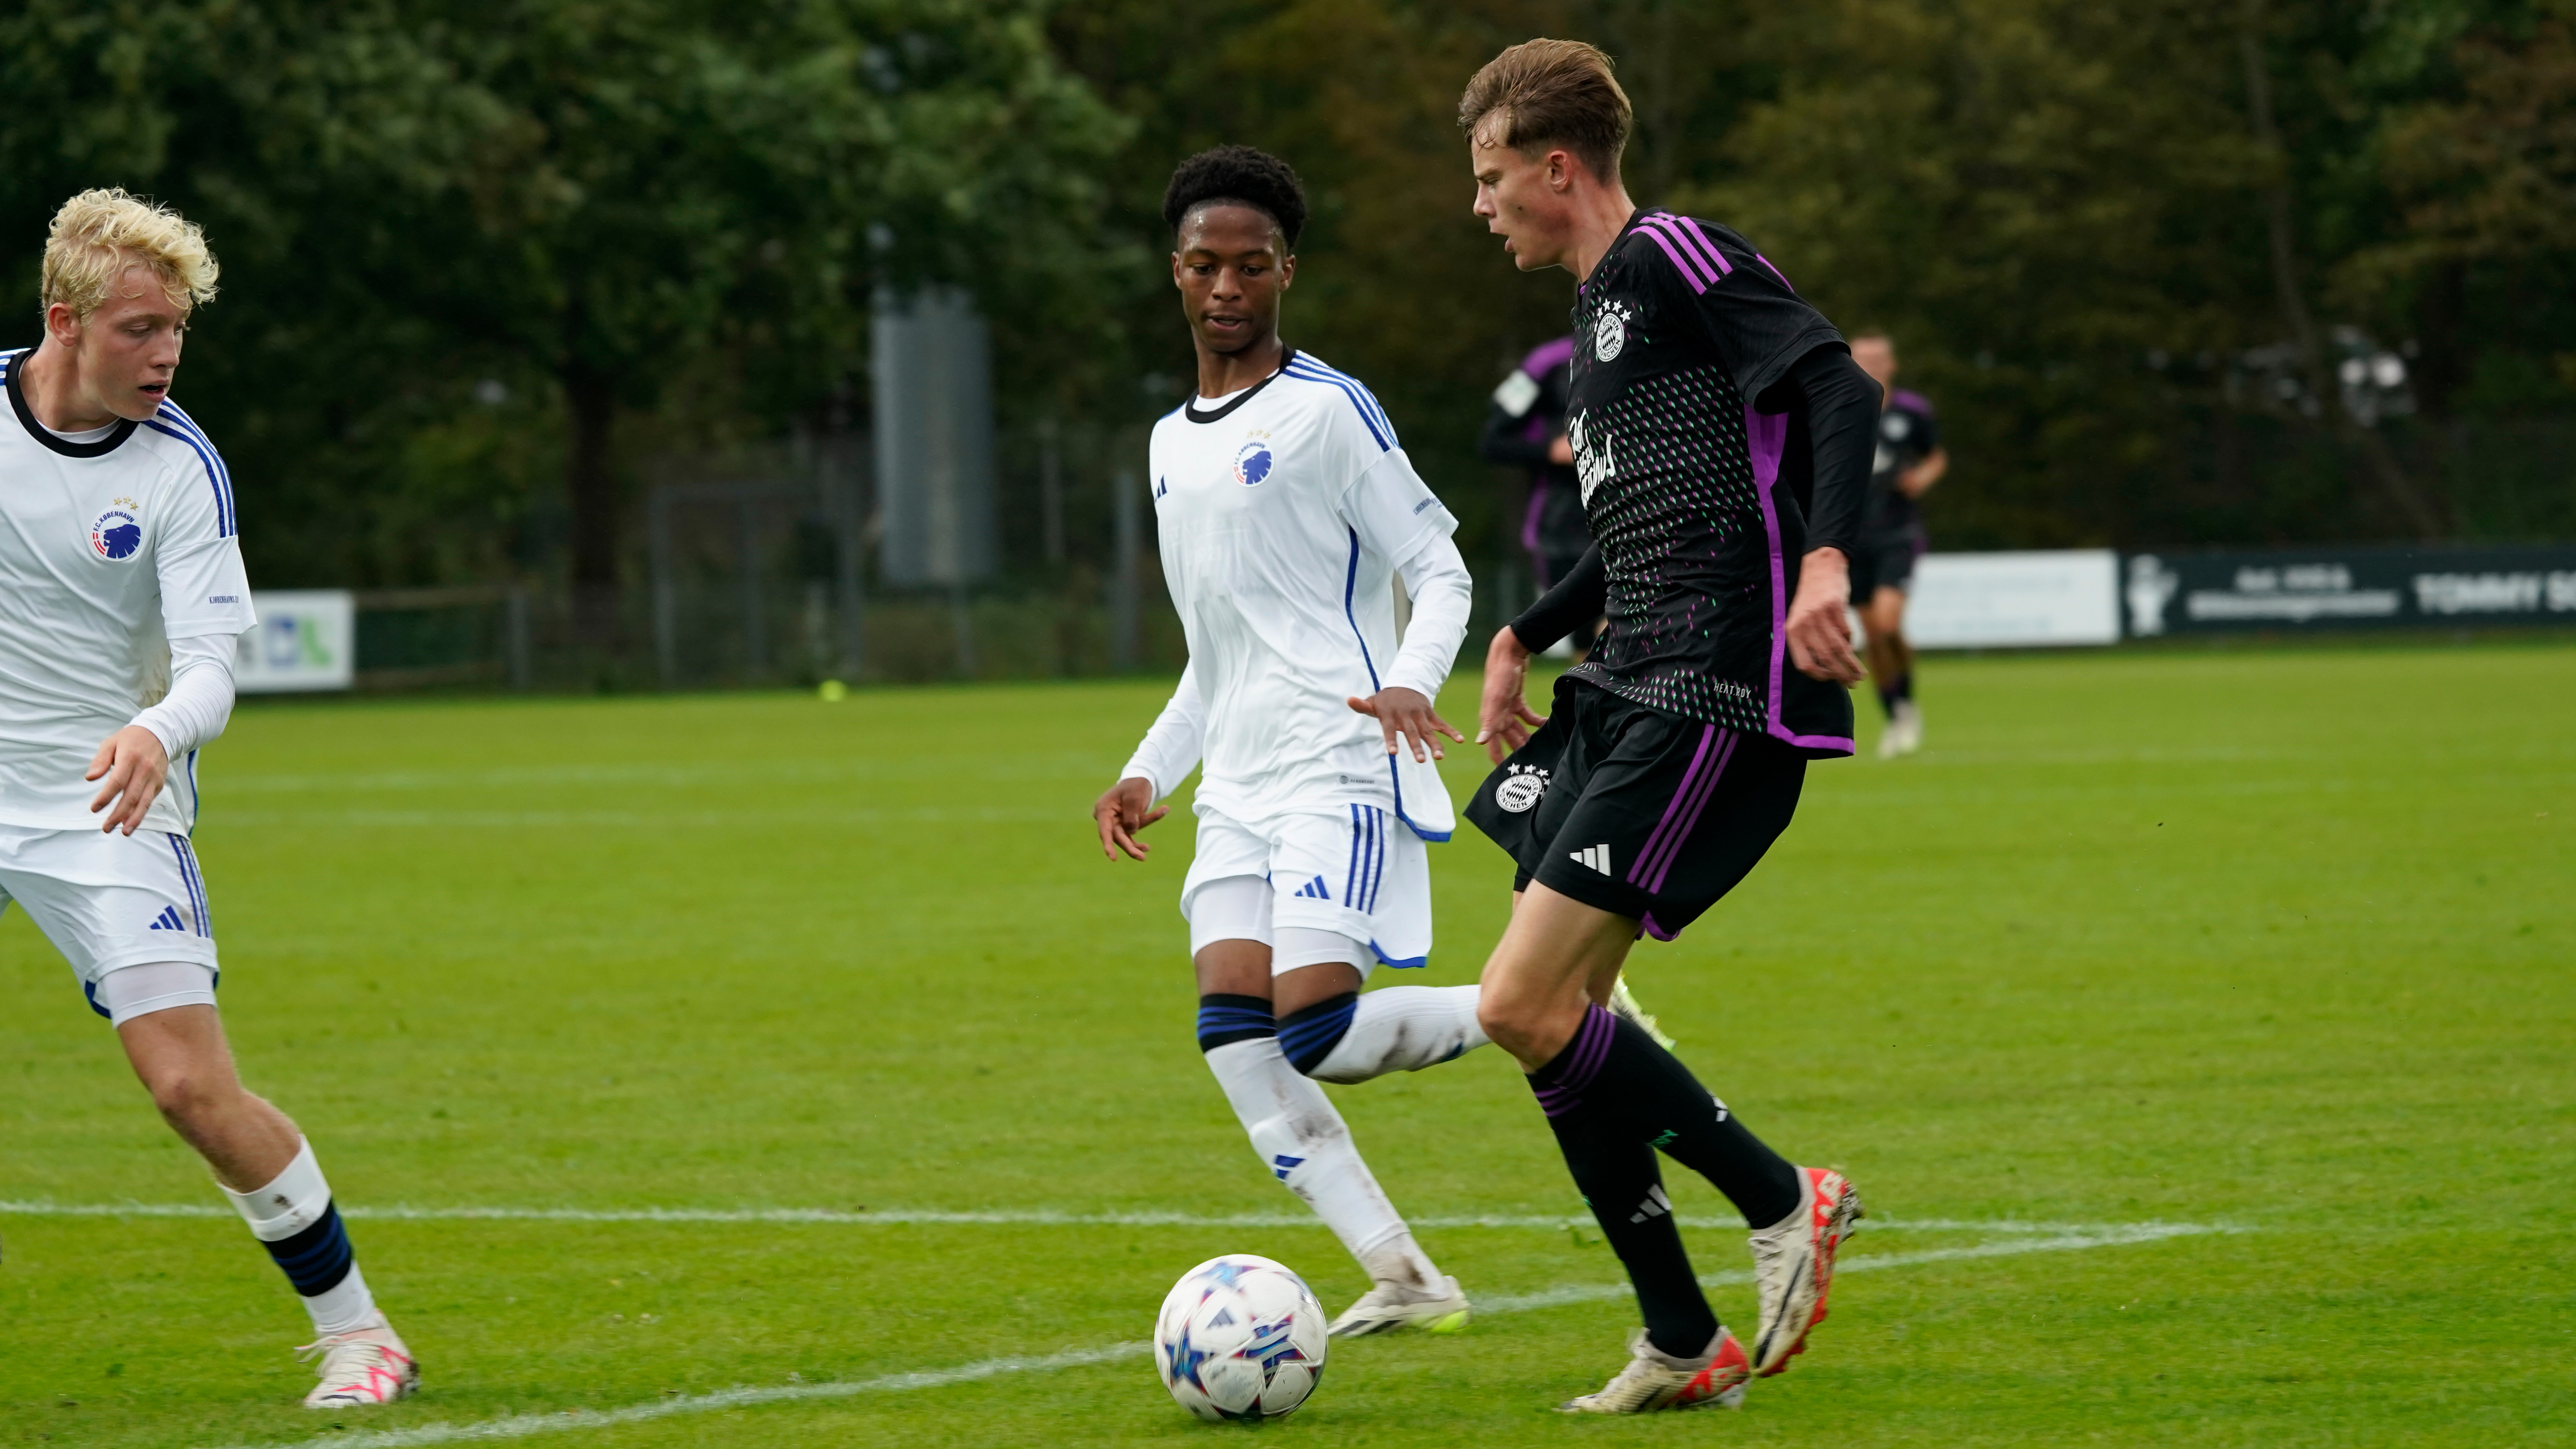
(1252, 463)
(116, 534)
(1609, 336)
(1521, 791)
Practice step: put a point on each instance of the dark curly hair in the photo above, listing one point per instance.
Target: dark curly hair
(1238, 174)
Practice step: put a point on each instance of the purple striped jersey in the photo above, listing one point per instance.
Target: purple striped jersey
(1691, 482)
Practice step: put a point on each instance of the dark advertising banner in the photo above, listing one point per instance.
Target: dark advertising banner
(2346, 588)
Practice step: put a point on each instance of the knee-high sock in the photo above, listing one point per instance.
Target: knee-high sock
(297, 1221)
(1352, 1038)
(1620, 1182)
(1301, 1138)
(1636, 1088)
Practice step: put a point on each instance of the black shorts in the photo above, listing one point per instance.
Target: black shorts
(1638, 812)
(1883, 561)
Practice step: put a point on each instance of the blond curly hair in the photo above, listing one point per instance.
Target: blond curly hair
(100, 234)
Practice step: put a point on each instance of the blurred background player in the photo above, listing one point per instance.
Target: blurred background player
(1908, 461)
(121, 593)
(1525, 429)
(1722, 435)
(1286, 510)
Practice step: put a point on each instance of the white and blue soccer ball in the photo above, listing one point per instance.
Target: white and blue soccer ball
(1240, 1337)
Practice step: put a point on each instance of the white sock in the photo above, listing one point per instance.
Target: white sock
(1404, 1029)
(295, 1200)
(290, 1203)
(1300, 1136)
(345, 1308)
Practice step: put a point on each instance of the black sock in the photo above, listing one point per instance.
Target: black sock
(1637, 1088)
(1894, 692)
(1620, 1182)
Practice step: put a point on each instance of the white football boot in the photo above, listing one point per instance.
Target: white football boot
(1655, 1380)
(1623, 1002)
(1904, 732)
(1793, 1265)
(1390, 1306)
(368, 1366)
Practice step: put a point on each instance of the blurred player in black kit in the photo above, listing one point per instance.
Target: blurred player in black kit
(1908, 461)
(1721, 437)
(1525, 428)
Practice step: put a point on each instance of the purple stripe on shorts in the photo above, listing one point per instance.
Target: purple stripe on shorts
(1672, 808)
(1688, 274)
(1690, 822)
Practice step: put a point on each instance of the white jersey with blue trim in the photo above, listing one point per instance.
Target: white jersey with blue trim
(1284, 513)
(112, 543)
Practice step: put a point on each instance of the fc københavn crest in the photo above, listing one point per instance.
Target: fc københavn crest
(117, 533)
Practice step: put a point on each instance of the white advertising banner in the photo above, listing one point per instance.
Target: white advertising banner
(2014, 600)
(306, 639)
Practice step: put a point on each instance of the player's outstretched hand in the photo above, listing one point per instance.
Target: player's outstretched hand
(131, 767)
(1121, 811)
(1401, 711)
(1819, 629)
(1503, 718)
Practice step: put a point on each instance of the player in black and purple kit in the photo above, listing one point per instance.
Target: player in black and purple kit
(1909, 460)
(1722, 439)
(1525, 428)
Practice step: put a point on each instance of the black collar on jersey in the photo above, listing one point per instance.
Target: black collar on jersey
(18, 404)
(1190, 409)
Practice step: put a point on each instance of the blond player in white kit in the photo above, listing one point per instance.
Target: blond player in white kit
(1286, 511)
(121, 595)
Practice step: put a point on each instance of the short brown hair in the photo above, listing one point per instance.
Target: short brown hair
(1553, 92)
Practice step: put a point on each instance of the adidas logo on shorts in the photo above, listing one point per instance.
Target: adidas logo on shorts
(1595, 856)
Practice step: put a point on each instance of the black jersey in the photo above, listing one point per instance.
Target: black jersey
(1527, 417)
(1695, 484)
(1907, 434)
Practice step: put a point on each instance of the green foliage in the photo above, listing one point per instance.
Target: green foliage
(488, 260)
(584, 203)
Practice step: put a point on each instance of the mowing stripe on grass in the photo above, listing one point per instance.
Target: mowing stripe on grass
(1006, 1218)
(523, 1426)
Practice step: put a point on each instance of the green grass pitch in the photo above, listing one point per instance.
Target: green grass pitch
(2280, 943)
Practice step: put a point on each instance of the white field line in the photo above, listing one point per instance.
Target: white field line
(522, 1426)
(931, 1217)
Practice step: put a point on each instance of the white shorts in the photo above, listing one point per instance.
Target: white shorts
(112, 901)
(1360, 874)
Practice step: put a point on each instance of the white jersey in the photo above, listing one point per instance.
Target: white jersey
(111, 545)
(1284, 513)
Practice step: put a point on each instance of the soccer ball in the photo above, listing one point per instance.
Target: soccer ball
(1240, 1337)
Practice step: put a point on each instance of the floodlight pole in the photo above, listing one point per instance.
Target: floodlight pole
(1122, 597)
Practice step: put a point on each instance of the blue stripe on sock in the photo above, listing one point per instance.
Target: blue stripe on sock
(317, 1258)
(1307, 1037)
(1223, 1023)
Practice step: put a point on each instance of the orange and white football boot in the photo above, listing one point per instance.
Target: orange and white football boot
(1654, 1380)
(1793, 1265)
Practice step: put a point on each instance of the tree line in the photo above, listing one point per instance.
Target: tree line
(486, 260)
